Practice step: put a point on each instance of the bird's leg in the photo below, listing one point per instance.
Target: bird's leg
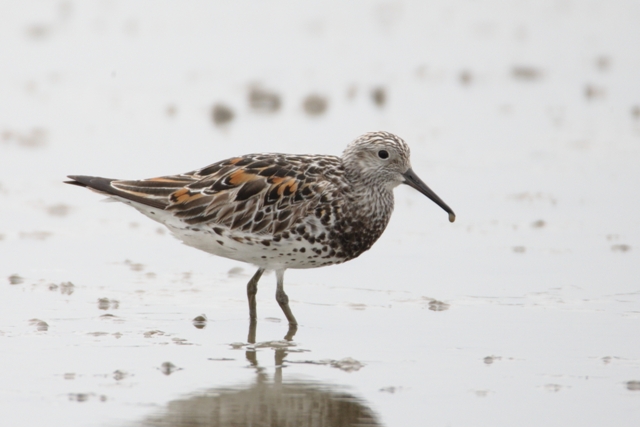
(252, 290)
(251, 337)
(283, 299)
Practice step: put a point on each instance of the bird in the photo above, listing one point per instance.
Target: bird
(279, 211)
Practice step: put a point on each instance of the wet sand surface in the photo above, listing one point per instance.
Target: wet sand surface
(524, 119)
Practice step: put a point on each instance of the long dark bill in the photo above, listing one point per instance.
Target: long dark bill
(412, 180)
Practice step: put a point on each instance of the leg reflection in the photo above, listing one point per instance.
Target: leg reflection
(293, 328)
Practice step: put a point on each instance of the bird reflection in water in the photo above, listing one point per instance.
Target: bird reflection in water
(268, 402)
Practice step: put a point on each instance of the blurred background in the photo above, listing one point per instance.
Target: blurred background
(524, 116)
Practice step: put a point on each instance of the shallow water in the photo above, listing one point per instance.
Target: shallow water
(524, 119)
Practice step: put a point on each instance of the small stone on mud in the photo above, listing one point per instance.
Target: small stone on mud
(106, 304)
(465, 77)
(490, 359)
(171, 110)
(221, 114)
(66, 288)
(314, 105)
(168, 368)
(553, 387)
(633, 385)
(592, 92)
(379, 96)
(235, 271)
(436, 305)
(200, 321)
(621, 248)
(136, 267)
(526, 73)
(38, 31)
(78, 397)
(35, 235)
(14, 279)
(603, 63)
(347, 364)
(58, 210)
(40, 325)
(264, 101)
(119, 375)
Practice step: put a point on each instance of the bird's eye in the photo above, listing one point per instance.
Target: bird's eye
(383, 154)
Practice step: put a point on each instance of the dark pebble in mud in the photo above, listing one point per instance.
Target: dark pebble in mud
(526, 73)
(84, 397)
(235, 271)
(221, 114)
(38, 31)
(465, 77)
(119, 375)
(66, 288)
(490, 359)
(171, 110)
(200, 321)
(315, 105)
(168, 368)
(436, 305)
(134, 266)
(620, 248)
(36, 138)
(58, 210)
(603, 63)
(14, 279)
(592, 92)
(379, 96)
(633, 385)
(106, 304)
(40, 325)
(264, 101)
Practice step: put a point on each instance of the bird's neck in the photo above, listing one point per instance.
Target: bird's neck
(373, 202)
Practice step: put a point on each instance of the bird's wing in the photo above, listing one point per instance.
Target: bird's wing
(257, 194)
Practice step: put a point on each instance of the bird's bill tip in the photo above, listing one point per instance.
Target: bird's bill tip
(412, 180)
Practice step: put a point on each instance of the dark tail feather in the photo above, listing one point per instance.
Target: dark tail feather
(103, 185)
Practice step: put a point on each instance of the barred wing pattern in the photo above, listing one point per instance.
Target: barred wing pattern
(263, 194)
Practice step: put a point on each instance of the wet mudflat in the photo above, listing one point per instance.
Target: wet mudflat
(525, 311)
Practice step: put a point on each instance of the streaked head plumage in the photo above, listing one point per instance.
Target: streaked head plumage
(380, 155)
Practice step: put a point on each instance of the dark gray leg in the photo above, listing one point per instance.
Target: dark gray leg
(283, 299)
(252, 290)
